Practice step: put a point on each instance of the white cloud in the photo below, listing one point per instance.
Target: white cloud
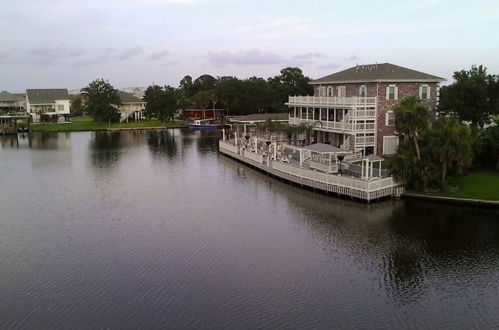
(244, 57)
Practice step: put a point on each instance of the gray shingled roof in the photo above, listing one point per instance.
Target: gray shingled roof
(377, 72)
(43, 96)
(8, 97)
(261, 117)
(323, 148)
(128, 98)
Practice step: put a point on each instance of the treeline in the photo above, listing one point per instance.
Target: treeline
(236, 96)
(464, 136)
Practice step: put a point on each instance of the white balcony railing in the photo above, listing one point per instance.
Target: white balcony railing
(364, 140)
(331, 101)
(333, 125)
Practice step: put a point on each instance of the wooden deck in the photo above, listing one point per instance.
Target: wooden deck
(330, 183)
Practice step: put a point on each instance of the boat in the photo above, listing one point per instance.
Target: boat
(204, 124)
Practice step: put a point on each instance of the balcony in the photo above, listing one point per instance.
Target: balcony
(334, 126)
(328, 101)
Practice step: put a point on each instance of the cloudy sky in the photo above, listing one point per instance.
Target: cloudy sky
(66, 43)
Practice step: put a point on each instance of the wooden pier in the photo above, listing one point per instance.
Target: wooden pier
(366, 190)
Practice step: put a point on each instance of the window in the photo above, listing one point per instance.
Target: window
(60, 107)
(392, 92)
(363, 91)
(341, 91)
(424, 92)
(390, 144)
(322, 91)
(390, 118)
(330, 91)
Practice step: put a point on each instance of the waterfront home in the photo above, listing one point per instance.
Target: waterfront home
(47, 104)
(131, 107)
(354, 109)
(12, 102)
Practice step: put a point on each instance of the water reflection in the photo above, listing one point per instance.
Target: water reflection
(409, 241)
(162, 143)
(105, 149)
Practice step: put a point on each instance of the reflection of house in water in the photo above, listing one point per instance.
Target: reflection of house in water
(406, 242)
(51, 141)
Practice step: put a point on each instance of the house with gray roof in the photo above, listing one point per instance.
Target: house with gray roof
(131, 107)
(353, 109)
(12, 102)
(47, 104)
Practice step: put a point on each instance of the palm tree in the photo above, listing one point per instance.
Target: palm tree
(412, 120)
(450, 143)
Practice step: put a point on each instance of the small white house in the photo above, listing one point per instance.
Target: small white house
(131, 107)
(47, 104)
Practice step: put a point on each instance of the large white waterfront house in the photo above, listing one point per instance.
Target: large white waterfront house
(354, 109)
(47, 104)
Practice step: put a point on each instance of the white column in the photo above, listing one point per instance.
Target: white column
(301, 158)
(244, 129)
(223, 134)
(379, 172)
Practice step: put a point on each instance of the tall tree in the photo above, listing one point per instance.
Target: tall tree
(103, 101)
(290, 81)
(186, 86)
(450, 145)
(473, 96)
(161, 102)
(412, 120)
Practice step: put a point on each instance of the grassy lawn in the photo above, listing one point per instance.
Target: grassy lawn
(477, 185)
(85, 123)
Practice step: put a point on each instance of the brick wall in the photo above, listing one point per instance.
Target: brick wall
(404, 90)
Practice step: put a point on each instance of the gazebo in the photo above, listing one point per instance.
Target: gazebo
(322, 157)
(367, 167)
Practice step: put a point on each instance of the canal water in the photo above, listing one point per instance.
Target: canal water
(155, 229)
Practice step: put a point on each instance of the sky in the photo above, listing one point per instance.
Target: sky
(68, 44)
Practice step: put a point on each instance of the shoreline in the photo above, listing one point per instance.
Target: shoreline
(79, 127)
(452, 200)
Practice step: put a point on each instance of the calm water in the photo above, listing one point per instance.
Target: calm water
(154, 229)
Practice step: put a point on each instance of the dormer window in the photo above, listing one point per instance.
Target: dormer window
(424, 92)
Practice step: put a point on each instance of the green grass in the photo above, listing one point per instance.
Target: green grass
(478, 185)
(85, 123)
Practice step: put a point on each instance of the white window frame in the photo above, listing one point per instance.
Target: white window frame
(363, 88)
(60, 107)
(322, 91)
(395, 94)
(384, 143)
(387, 118)
(342, 91)
(330, 91)
(427, 92)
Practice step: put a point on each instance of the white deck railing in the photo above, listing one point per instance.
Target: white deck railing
(367, 186)
(331, 101)
(253, 156)
(228, 146)
(328, 168)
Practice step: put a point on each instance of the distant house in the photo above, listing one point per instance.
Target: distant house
(47, 104)
(354, 109)
(131, 107)
(12, 102)
(193, 114)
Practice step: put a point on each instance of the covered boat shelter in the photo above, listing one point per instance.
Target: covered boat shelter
(9, 123)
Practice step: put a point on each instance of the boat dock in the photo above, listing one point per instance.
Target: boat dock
(299, 166)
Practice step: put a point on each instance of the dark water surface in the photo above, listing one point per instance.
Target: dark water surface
(154, 229)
